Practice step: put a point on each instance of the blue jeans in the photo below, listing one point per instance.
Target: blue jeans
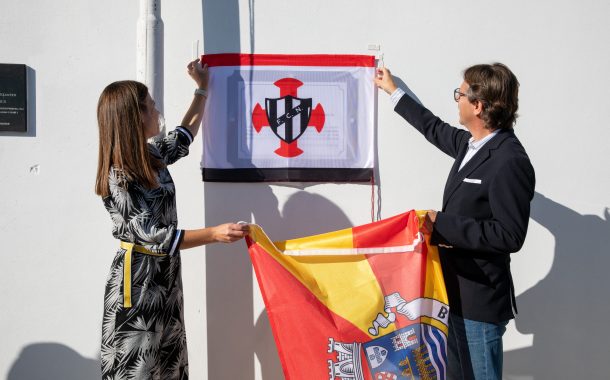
(474, 349)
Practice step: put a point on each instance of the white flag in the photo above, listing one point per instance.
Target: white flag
(289, 118)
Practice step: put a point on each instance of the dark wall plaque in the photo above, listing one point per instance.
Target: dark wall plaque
(13, 98)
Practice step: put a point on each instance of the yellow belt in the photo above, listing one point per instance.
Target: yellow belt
(129, 248)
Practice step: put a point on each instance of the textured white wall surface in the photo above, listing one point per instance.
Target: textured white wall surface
(56, 236)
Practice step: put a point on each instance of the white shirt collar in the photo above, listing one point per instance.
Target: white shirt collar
(478, 144)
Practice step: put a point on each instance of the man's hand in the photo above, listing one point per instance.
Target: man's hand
(429, 220)
(230, 232)
(384, 80)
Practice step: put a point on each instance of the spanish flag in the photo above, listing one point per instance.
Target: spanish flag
(367, 302)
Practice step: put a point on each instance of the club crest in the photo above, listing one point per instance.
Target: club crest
(288, 116)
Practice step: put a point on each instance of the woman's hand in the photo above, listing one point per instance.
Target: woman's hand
(198, 73)
(224, 233)
(194, 115)
(384, 80)
(230, 232)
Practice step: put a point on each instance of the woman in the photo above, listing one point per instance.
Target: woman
(143, 334)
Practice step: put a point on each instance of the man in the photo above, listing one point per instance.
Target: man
(485, 213)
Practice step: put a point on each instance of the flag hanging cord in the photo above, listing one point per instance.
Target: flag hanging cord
(373, 197)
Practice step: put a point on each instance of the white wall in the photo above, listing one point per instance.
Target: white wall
(57, 245)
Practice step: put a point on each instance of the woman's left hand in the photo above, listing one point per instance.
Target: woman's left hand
(230, 232)
(198, 73)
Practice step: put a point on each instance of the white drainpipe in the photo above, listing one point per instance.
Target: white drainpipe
(149, 62)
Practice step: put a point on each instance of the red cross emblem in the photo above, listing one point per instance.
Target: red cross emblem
(288, 116)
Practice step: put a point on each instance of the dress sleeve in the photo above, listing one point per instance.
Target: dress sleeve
(174, 146)
(136, 219)
(154, 234)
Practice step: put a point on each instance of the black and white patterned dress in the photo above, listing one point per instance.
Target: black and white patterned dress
(146, 341)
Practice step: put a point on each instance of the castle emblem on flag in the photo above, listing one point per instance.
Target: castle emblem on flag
(404, 340)
(348, 365)
(288, 116)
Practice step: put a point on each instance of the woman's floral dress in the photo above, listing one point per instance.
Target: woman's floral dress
(147, 340)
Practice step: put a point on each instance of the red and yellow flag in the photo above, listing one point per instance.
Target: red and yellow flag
(367, 302)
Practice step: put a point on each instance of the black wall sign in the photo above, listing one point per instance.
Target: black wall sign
(13, 98)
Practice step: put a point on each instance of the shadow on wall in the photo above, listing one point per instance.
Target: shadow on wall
(46, 361)
(233, 338)
(228, 277)
(566, 311)
(304, 214)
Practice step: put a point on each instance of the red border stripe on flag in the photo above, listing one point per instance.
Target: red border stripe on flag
(237, 59)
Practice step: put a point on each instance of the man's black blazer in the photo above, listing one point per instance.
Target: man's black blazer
(486, 208)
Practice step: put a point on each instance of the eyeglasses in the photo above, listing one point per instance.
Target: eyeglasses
(457, 94)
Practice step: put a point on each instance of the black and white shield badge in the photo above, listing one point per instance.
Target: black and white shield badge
(288, 116)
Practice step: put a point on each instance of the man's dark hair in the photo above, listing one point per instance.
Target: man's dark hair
(498, 89)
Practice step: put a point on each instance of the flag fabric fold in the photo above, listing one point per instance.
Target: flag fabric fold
(282, 118)
(367, 302)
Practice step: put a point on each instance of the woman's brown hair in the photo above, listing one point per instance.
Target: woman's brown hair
(122, 142)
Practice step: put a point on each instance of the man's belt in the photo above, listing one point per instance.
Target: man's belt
(129, 249)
